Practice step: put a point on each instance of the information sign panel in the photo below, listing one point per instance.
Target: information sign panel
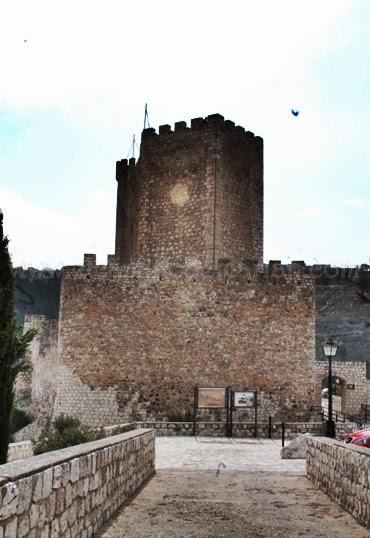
(244, 399)
(211, 397)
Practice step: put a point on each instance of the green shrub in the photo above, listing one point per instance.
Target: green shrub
(65, 431)
(20, 419)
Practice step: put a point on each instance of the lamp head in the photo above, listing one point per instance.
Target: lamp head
(330, 348)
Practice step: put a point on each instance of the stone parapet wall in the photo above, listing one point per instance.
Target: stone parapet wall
(240, 429)
(343, 428)
(342, 471)
(24, 449)
(72, 492)
(141, 275)
(20, 451)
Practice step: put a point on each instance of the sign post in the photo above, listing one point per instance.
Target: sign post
(211, 398)
(230, 410)
(225, 398)
(244, 400)
(195, 407)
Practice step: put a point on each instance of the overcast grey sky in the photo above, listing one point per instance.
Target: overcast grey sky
(75, 76)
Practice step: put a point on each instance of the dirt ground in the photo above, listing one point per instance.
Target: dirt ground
(218, 503)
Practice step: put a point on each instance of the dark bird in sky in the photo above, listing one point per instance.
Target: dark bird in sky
(295, 112)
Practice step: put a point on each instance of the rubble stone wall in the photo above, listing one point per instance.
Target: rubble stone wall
(134, 341)
(35, 390)
(72, 492)
(38, 385)
(342, 471)
(352, 374)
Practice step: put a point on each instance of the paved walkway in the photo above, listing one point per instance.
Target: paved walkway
(208, 453)
(220, 488)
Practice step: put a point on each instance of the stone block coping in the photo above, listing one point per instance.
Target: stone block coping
(347, 446)
(12, 471)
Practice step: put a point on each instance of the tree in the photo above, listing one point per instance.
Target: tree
(13, 345)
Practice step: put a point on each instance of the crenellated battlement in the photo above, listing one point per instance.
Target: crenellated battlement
(247, 271)
(274, 272)
(200, 125)
(124, 167)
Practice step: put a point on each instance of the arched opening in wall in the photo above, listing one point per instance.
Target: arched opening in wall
(338, 385)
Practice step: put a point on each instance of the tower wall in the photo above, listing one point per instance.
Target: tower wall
(196, 193)
(127, 210)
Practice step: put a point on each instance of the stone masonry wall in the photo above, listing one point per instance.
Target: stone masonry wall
(240, 429)
(72, 492)
(20, 451)
(134, 341)
(36, 292)
(194, 193)
(352, 373)
(36, 390)
(343, 311)
(43, 355)
(342, 471)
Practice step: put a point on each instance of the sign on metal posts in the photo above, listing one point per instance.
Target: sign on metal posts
(225, 398)
(209, 398)
(246, 399)
(212, 397)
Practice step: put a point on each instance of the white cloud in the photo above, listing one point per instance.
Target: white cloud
(41, 237)
(355, 202)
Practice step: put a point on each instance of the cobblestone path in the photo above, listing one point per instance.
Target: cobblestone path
(221, 488)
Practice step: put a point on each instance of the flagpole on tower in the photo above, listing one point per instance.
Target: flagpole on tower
(146, 116)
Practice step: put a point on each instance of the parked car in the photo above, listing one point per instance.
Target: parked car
(359, 438)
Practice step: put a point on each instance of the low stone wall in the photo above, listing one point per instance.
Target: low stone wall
(72, 492)
(120, 428)
(20, 451)
(24, 449)
(292, 429)
(343, 428)
(342, 471)
(240, 429)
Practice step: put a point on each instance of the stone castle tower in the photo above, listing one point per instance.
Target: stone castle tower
(186, 300)
(195, 193)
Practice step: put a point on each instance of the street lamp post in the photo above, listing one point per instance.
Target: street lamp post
(330, 350)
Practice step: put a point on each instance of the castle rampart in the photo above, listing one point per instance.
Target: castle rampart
(140, 338)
